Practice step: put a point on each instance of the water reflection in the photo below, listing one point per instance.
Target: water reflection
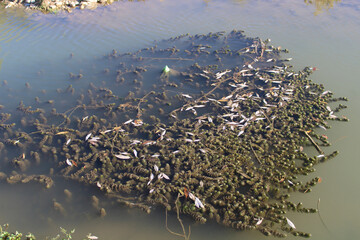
(322, 4)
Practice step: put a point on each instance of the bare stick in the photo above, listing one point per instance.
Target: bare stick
(205, 95)
(313, 142)
(257, 158)
(186, 237)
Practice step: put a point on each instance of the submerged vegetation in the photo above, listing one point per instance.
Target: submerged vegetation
(215, 126)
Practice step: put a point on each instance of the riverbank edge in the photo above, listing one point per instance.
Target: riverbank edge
(54, 6)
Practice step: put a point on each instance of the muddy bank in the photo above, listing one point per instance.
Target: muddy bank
(53, 6)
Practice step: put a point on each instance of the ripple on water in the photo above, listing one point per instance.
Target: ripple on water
(15, 27)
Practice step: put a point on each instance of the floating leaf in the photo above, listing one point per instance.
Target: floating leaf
(198, 203)
(291, 224)
(151, 178)
(124, 157)
(191, 196)
(259, 221)
(91, 237)
(68, 162)
(62, 133)
(186, 95)
(186, 192)
(88, 136)
(127, 122)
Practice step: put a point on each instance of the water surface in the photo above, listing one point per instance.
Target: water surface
(36, 48)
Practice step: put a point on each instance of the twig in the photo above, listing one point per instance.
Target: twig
(186, 237)
(266, 116)
(142, 100)
(205, 95)
(253, 59)
(68, 116)
(212, 90)
(313, 142)
(112, 142)
(257, 158)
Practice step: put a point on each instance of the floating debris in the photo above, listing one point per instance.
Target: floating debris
(163, 175)
(166, 69)
(93, 140)
(198, 203)
(259, 221)
(135, 153)
(127, 122)
(68, 162)
(151, 178)
(291, 224)
(92, 237)
(186, 95)
(230, 127)
(122, 156)
(88, 136)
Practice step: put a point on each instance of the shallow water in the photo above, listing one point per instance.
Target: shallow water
(36, 48)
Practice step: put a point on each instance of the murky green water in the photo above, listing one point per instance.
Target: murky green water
(36, 49)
